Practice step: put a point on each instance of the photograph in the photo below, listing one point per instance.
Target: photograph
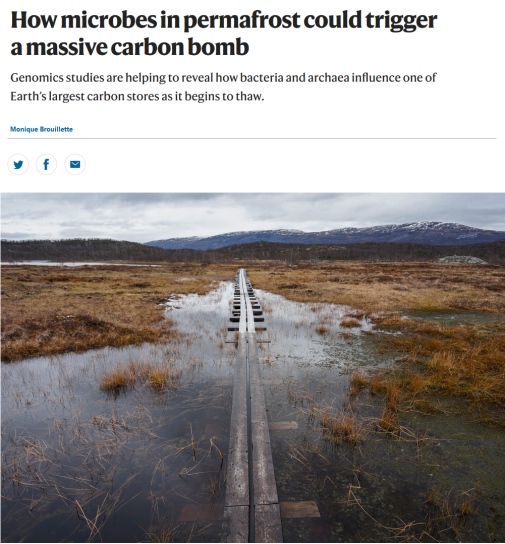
(253, 367)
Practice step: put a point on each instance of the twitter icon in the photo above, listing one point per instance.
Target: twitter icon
(18, 164)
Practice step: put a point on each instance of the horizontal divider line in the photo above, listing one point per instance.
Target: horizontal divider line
(266, 138)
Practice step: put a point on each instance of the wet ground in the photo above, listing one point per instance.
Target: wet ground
(81, 464)
(458, 318)
(442, 480)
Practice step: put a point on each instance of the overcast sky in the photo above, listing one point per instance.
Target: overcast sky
(145, 217)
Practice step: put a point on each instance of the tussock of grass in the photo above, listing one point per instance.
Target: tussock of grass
(160, 378)
(392, 396)
(117, 379)
(341, 427)
(357, 382)
(350, 322)
(163, 379)
(388, 422)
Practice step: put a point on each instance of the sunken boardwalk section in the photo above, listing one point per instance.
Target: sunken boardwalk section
(252, 511)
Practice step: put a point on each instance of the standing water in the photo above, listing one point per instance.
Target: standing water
(341, 477)
(146, 461)
(81, 462)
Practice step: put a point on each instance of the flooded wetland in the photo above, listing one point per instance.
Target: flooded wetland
(383, 389)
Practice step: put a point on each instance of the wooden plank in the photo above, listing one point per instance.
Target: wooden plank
(237, 488)
(283, 425)
(250, 319)
(243, 310)
(201, 512)
(236, 524)
(267, 525)
(300, 509)
(265, 489)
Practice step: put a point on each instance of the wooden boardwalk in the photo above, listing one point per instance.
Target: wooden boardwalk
(252, 511)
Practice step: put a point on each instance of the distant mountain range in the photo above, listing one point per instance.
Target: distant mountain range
(425, 232)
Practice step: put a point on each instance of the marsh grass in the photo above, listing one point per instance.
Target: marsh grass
(350, 322)
(117, 379)
(343, 426)
(447, 512)
(372, 287)
(163, 531)
(322, 330)
(388, 422)
(160, 377)
(56, 310)
(464, 361)
(357, 382)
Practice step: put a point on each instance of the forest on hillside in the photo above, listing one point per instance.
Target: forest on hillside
(96, 249)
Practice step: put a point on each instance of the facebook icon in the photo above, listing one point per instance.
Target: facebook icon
(46, 164)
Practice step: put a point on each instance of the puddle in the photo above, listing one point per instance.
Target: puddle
(458, 318)
(80, 464)
(381, 488)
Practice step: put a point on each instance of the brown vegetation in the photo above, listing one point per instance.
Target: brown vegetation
(49, 310)
(350, 322)
(343, 426)
(380, 287)
(465, 360)
(159, 377)
(446, 512)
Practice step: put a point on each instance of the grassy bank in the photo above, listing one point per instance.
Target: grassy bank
(379, 287)
(49, 310)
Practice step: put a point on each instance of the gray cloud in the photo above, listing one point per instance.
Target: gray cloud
(146, 216)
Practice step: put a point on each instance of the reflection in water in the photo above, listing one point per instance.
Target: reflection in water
(442, 479)
(80, 464)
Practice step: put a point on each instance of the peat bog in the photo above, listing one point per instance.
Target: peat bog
(383, 384)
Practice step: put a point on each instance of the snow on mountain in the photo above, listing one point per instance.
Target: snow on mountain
(424, 232)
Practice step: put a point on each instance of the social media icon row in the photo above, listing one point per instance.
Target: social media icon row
(47, 164)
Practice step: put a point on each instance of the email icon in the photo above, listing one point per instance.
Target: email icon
(75, 164)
